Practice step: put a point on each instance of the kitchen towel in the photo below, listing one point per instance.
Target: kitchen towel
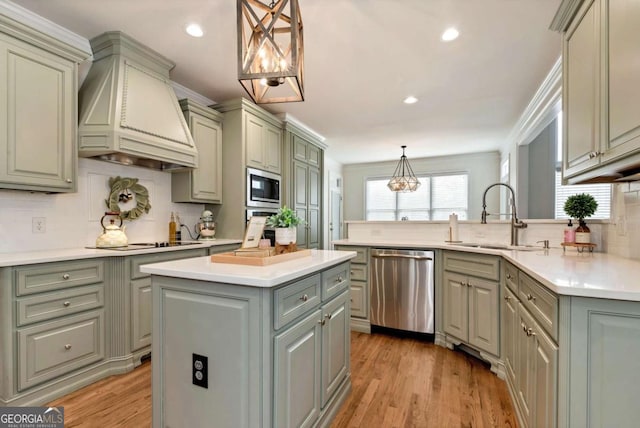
(453, 227)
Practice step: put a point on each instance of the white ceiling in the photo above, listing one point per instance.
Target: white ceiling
(362, 58)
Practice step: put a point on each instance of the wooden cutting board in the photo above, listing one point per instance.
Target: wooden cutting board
(231, 258)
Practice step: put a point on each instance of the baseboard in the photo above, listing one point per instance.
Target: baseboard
(361, 325)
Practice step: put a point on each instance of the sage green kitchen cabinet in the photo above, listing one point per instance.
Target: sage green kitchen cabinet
(359, 298)
(303, 163)
(53, 328)
(509, 333)
(264, 145)
(285, 360)
(252, 138)
(204, 183)
(140, 297)
(600, 88)
(38, 110)
(470, 301)
(217, 249)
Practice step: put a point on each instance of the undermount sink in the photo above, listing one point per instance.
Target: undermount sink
(500, 246)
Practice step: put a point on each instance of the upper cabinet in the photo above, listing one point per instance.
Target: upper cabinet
(601, 89)
(263, 144)
(202, 184)
(38, 108)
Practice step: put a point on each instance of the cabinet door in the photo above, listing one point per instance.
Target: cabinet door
(314, 196)
(254, 134)
(207, 178)
(38, 118)
(140, 313)
(335, 345)
(510, 332)
(580, 91)
(272, 141)
(483, 314)
(300, 199)
(525, 365)
(623, 19)
(546, 375)
(455, 309)
(297, 365)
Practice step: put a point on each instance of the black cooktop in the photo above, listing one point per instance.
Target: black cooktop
(143, 245)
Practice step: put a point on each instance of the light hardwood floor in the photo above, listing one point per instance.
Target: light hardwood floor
(397, 382)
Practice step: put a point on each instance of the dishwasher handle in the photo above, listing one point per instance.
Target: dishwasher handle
(400, 256)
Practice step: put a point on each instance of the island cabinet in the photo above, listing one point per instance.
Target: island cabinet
(359, 289)
(470, 299)
(204, 183)
(38, 110)
(53, 328)
(601, 84)
(530, 347)
(303, 163)
(270, 356)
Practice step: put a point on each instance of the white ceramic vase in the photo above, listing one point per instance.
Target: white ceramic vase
(286, 235)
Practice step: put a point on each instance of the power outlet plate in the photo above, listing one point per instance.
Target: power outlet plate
(38, 224)
(200, 371)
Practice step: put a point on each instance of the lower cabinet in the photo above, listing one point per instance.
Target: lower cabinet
(285, 351)
(359, 298)
(470, 299)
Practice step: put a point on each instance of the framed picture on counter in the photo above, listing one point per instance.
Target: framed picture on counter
(253, 233)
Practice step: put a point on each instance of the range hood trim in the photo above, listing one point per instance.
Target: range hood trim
(129, 112)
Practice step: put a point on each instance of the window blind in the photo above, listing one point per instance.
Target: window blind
(601, 193)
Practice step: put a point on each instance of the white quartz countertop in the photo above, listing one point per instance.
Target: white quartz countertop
(569, 273)
(43, 256)
(203, 269)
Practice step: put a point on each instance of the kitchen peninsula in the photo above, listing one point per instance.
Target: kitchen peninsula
(251, 346)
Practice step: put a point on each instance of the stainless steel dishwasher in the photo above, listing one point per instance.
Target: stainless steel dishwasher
(402, 289)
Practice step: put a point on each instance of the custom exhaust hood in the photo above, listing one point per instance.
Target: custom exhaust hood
(129, 113)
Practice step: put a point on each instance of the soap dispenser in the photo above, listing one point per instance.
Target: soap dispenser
(569, 233)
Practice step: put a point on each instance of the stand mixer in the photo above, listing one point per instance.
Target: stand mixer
(206, 228)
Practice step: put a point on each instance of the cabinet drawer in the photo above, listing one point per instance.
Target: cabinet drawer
(359, 272)
(359, 307)
(53, 349)
(294, 300)
(511, 277)
(335, 280)
(478, 265)
(54, 276)
(137, 261)
(47, 306)
(542, 304)
(362, 253)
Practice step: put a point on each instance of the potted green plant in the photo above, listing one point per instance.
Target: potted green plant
(285, 222)
(581, 206)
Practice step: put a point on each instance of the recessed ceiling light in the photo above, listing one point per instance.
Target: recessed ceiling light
(450, 34)
(410, 100)
(194, 30)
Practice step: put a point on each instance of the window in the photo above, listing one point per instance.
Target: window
(601, 192)
(436, 198)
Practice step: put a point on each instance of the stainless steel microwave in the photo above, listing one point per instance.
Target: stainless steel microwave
(263, 189)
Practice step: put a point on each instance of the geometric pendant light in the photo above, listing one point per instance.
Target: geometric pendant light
(403, 180)
(271, 50)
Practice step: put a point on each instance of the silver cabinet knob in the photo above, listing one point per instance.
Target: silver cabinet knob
(530, 332)
(322, 322)
(508, 276)
(328, 316)
(304, 298)
(507, 298)
(339, 279)
(531, 298)
(68, 180)
(67, 346)
(66, 276)
(66, 304)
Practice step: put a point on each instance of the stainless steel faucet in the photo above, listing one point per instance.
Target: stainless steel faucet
(515, 223)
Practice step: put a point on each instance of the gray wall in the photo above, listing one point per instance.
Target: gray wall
(483, 170)
(536, 182)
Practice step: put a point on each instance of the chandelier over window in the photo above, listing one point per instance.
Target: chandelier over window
(270, 50)
(403, 180)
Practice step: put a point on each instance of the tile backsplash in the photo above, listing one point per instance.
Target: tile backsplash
(73, 219)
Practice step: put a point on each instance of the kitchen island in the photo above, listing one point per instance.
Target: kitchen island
(247, 346)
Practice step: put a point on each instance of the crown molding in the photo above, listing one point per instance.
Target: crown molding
(184, 92)
(299, 126)
(565, 13)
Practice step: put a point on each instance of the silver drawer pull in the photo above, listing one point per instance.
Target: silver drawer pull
(67, 346)
(304, 298)
(66, 276)
(339, 279)
(530, 297)
(66, 304)
(400, 256)
(328, 316)
(530, 332)
(508, 276)
(322, 322)
(507, 298)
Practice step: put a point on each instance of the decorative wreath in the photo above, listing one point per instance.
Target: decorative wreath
(121, 189)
